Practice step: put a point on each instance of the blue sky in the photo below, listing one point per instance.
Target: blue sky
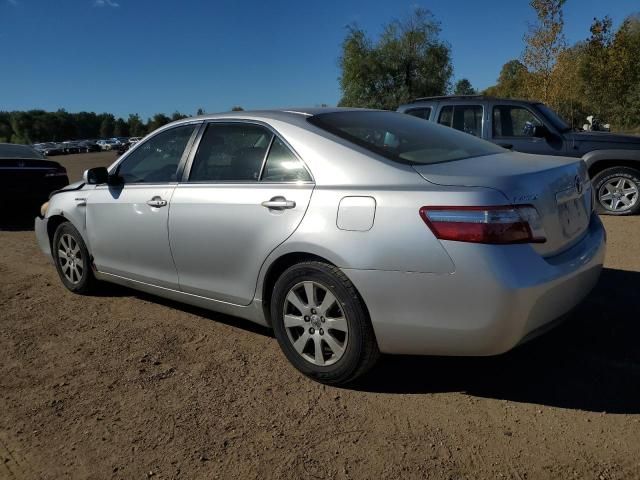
(148, 56)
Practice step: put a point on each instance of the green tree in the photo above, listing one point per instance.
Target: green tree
(5, 127)
(610, 72)
(409, 60)
(107, 125)
(137, 127)
(177, 116)
(158, 120)
(200, 111)
(511, 82)
(237, 108)
(596, 66)
(624, 59)
(87, 125)
(544, 42)
(464, 87)
(121, 128)
(567, 87)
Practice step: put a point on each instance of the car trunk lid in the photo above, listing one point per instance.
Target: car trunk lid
(26, 174)
(557, 187)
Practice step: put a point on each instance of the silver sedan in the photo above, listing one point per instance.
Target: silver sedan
(349, 232)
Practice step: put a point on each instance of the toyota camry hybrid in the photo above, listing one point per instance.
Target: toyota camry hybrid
(350, 232)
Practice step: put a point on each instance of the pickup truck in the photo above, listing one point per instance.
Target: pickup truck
(613, 160)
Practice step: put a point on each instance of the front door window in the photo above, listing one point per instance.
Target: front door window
(157, 159)
(512, 121)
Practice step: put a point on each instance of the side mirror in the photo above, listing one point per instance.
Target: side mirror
(96, 176)
(540, 131)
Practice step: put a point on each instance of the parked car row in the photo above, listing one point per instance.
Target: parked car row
(65, 148)
(50, 149)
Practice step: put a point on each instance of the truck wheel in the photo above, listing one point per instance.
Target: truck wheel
(617, 191)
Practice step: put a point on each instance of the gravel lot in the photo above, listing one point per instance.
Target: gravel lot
(125, 385)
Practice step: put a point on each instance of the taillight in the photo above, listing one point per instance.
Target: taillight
(495, 224)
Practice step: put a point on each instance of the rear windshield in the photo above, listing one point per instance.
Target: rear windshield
(403, 138)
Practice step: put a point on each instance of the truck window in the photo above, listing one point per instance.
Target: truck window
(513, 121)
(423, 113)
(466, 118)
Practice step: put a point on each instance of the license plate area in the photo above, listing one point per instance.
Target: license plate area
(573, 211)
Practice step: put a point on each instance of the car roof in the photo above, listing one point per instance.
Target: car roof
(294, 115)
(12, 150)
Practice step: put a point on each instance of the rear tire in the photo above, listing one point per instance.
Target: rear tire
(72, 260)
(617, 191)
(329, 336)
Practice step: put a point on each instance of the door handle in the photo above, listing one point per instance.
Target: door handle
(279, 203)
(157, 202)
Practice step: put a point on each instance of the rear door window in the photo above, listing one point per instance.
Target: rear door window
(230, 152)
(283, 166)
(466, 118)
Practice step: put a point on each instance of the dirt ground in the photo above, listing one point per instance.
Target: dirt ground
(125, 385)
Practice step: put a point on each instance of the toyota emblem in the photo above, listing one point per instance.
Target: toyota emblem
(578, 184)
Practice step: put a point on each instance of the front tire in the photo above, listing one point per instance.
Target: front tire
(72, 260)
(321, 323)
(617, 191)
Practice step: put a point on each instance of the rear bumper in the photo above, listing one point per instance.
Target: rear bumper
(498, 296)
(42, 236)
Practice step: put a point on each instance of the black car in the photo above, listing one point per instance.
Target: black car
(88, 146)
(70, 147)
(27, 178)
(123, 147)
(49, 149)
(613, 160)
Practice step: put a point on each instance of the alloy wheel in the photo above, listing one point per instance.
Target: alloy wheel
(70, 258)
(618, 194)
(315, 323)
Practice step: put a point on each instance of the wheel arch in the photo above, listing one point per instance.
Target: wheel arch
(53, 222)
(600, 165)
(599, 160)
(278, 267)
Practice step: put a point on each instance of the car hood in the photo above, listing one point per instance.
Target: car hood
(632, 141)
(69, 188)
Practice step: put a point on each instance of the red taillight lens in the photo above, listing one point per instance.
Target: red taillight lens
(496, 225)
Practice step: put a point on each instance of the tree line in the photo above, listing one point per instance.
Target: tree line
(35, 126)
(599, 75)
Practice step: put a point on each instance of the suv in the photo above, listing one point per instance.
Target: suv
(532, 127)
